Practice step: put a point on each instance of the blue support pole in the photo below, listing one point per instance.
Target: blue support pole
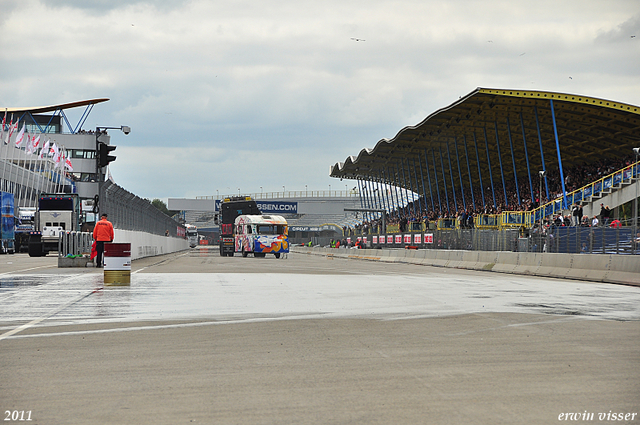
(365, 215)
(504, 188)
(360, 193)
(544, 167)
(475, 142)
(388, 191)
(395, 187)
(426, 162)
(555, 132)
(424, 191)
(455, 145)
(486, 144)
(466, 153)
(415, 173)
(382, 194)
(400, 187)
(526, 155)
(513, 159)
(404, 185)
(453, 186)
(435, 173)
(444, 179)
(413, 204)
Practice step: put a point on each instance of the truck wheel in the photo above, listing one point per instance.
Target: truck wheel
(277, 254)
(259, 254)
(230, 254)
(244, 253)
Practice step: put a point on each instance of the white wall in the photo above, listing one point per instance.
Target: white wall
(148, 245)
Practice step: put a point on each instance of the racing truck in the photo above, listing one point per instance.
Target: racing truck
(56, 213)
(230, 209)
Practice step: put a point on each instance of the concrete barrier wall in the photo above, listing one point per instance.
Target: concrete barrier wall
(610, 268)
(148, 245)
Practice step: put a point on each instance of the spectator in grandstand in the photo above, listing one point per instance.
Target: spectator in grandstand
(616, 224)
(594, 221)
(636, 242)
(585, 221)
(575, 215)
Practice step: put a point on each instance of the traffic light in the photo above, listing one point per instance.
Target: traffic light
(103, 154)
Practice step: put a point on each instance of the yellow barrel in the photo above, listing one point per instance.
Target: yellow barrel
(117, 264)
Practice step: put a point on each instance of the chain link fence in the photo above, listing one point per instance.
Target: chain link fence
(129, 212)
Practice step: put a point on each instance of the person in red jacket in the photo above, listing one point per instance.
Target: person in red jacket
(103, 232)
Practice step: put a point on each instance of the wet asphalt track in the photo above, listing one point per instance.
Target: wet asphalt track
(397, 335)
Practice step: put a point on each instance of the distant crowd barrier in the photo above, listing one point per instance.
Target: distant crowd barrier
(609, 268)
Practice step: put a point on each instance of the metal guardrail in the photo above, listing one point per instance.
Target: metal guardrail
(74, 243)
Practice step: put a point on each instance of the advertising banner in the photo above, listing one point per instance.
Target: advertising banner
(417, 239)
(398, 239)
(375, 239)
(389, 239)
(428, 238)
(407, 239)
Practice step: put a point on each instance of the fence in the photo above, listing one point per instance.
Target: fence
(569, 240)
(74, 243)
(129, 212)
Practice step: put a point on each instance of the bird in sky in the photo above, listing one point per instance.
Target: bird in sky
(357, 39)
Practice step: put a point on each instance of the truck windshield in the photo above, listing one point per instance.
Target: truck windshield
(270, 229)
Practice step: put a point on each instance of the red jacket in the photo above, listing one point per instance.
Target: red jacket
(103, 231)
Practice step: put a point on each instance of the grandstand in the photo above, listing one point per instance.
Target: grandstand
(487, 151)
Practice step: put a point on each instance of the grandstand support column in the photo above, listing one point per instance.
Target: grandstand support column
(486, 145)
(415, 173)
(444, 178)
(360, 192)
(475, 143)
(395, 190)
(453, 185)
(555, 133)
(526, 156)
(424, 192)
(455, 145)
(513, 159)
(379, 201)
(404, 185)
(504, 188)
(367, 197)
(544, 167)
(435, 173)
(413, 204)
(385, 196)
(466, 153)
(426, 161)
(385, 178)
(636, 151)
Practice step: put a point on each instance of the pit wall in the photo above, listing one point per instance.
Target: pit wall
(610, 268)
(147, 245)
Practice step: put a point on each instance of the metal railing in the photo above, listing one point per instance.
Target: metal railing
(127, 211)
(74, 243)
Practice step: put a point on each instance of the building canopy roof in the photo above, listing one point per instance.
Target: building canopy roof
(517, 123)
(53, 108)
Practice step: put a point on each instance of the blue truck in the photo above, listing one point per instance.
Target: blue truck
(7, 224)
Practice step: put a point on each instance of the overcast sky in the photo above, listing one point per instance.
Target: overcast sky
(228, 95)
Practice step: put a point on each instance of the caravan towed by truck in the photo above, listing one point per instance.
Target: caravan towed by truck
(261, 235)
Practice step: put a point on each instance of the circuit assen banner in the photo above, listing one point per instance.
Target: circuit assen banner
(272, 207)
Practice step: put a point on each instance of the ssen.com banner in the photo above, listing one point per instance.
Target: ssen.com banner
(277, 207)
(272, 207)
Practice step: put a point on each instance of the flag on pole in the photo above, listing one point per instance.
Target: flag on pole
(4, 121)
(12, 128)
(20, 137)
(45, 149)
(67, 164)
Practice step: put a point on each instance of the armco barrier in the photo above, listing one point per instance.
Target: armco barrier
(610, 268)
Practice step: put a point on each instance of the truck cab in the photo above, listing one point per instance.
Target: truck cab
(56, 213)
(261, 235)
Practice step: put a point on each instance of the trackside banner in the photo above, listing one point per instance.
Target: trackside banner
(272, 207)
(275, 207)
